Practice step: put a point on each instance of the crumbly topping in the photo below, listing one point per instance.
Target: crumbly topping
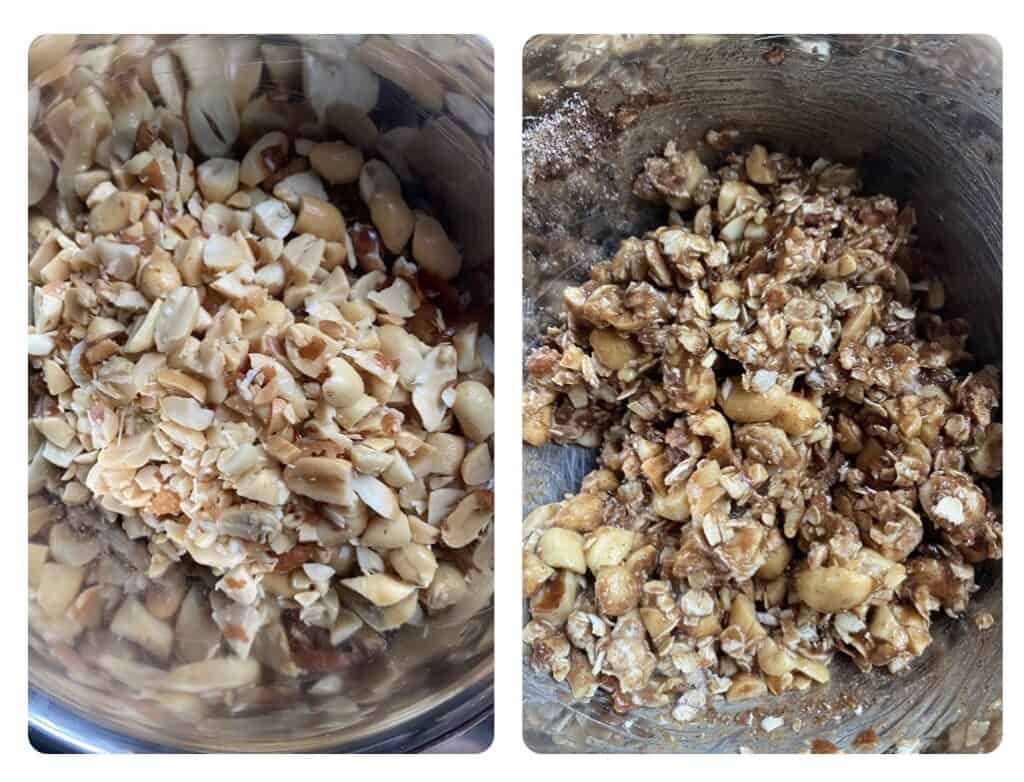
(794, 445)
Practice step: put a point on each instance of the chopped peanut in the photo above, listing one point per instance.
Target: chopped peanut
(261, 432)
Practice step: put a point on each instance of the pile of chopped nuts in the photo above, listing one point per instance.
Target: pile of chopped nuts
(793, 444)
(261, 414)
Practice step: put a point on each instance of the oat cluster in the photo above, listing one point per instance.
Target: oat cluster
(260, 411)
(795, 448)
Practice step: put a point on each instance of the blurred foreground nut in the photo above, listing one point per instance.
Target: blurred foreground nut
(477, 467)
(380, 589)
(612, 349)
(562, 548)
(537, 419)
(320, 218)
(747, 407)
(773, 659)
(212, 119)
(607, 547)
(294, 187)
(273, 218)
(745, 686)
(582, 681)
(196, 636)
(40, 171)
(599, 480)
(797, 415)
(217, 178)
(759, 168)
(58, 586)
(321, 478)
(134, 623)
(89, 606)
(675, 505)
(540, 518)
(617, 590)
(474, 409)
(219, 673)
(415, 563)
(165, 595)
(70, 547)
(47, 51)
(554, 600)
(263, 158)
(117, 211)
(469, 519)
(55, 429)
(832, 588)
(778, 558)
(849, 436)
(447, 588)
(775, 591)
(336, 162)
(582, 513)
(433, 250)
(176, 319)
(387, 534)
(37, 558)
(856, 325)
(353, 123)
(393, 219)
(158, 276)
(377, 177)
(447, 454)
(743, 614)
(404, 67)
(535, 573)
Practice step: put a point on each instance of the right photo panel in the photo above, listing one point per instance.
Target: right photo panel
(762, 351)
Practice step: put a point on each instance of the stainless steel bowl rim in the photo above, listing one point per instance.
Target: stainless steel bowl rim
(73, 731)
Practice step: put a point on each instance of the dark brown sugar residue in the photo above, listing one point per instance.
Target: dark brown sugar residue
(562, 138)
(775, 56)
(823, 747)
(628, 112)
(866, 739)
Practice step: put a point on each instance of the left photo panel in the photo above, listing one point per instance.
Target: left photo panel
(261, 393)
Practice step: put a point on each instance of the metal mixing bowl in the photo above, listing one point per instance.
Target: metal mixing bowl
(922, 116)
(435, 682)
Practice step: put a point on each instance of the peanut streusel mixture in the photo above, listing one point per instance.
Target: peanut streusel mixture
(795, 447)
